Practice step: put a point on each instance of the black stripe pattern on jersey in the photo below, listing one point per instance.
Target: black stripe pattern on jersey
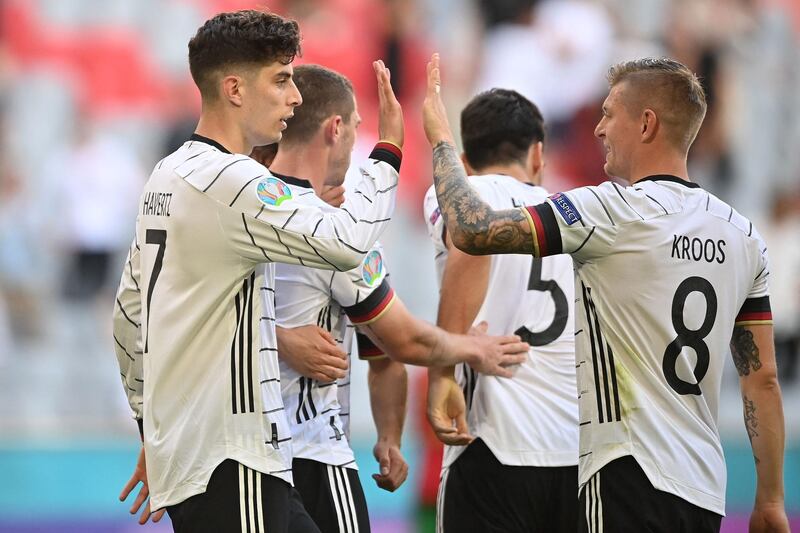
(274, 440)
(470, 381)
(616, 188)
(223, 170)
(306, 410)
(242, 388)
(337, 433)
(605, 373)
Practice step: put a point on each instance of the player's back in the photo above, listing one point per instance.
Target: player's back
(530, 419)
(664, 268)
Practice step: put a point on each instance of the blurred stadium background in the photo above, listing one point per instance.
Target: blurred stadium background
(94, 92)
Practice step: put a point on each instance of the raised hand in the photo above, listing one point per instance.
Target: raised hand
(497, 354)
(447, 410)
(434, 115)
(140, 476)
(393, 467)
(390, 114)
(312, 352)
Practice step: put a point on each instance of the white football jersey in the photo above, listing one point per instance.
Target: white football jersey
(195, 342)
(319, 412)
(532, 418)
(664, 271)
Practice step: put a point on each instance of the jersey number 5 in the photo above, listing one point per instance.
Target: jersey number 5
(693, 338)
(556, 327)
(159, 237)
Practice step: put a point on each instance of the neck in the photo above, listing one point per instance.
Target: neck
(660, 162)
(215, 125)
(304, 162)
(516, 171)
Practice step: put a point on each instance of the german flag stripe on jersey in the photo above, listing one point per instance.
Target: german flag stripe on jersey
(755, 311)
(367, 350)
(388, 152)
(544, 227)
(373, 306)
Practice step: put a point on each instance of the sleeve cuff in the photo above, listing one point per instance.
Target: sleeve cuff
(373, 306)
(367, 350)
(545, 233)
(388, 152)
(755, 311)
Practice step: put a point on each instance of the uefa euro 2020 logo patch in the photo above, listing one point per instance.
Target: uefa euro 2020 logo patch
(372, 268)
(272, 191)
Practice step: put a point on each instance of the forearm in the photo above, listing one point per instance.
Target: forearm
(473, 225)
(763, 418)
(753, 354)
(423, 344)
(388, 385)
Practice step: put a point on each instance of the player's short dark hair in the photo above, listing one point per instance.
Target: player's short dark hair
(325, 93)
(498, 127)
(670, 89)
(244, 38)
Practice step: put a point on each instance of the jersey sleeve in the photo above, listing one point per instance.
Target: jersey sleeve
(434, 221)
(756, 308)
(271, 221)
(577, 222)
(368, 350)
(364, 292)
(127, 331)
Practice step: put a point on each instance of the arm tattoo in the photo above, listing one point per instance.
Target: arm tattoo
(750, 419)
(474, 226)
(744, 351)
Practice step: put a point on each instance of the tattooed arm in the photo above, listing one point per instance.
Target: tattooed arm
(754, 356)
(474, 227)
(472, 224)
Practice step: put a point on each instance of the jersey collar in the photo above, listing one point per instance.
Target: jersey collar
(673, 179)
(212, 142)
(297, 182)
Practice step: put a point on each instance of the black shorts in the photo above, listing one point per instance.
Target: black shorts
(478, 493)
(237, 500)
(332, 495)
(621, 499)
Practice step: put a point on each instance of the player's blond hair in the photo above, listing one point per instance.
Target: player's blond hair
(667, 87)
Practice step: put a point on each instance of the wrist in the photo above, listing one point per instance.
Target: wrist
(389, 441)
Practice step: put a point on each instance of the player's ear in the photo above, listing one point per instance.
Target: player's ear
(649, 125)
(467, 166)
(232, 88)
(332, 128)
(534, 162)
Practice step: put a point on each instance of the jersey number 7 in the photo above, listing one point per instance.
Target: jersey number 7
(159, 237)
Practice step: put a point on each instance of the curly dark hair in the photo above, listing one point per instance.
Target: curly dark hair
(498, 127)
(240, 38)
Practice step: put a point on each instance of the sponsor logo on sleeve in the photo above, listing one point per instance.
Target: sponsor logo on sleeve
(273, 191)
(372, 271)
(565, 208)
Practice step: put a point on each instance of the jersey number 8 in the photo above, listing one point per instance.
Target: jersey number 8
(692, 338)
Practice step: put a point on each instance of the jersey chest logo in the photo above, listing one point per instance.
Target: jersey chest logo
(372, 271)
(272, 191)
(565, 208)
